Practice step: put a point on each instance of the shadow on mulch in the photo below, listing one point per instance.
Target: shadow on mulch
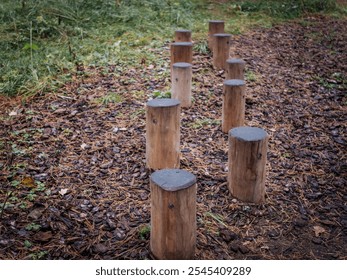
(74, 182)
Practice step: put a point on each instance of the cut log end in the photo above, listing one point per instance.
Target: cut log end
(236, 61)
(215, 21)
(249, 134)
(222, 35)
(181, 65)
(183, 31)
(173, 179)
(234, 83)
(187, 44)
(163, 102)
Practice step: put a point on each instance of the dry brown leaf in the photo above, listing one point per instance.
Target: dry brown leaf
(318, 230)
(43, 236)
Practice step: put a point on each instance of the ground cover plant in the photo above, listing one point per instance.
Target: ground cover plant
(43, 39)
(44, 42)
(72, 156)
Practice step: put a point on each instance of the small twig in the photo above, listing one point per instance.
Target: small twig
(3, 206)
(66, 97)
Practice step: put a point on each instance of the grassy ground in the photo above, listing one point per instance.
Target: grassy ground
(43, 43)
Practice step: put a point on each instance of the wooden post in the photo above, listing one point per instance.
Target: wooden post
(182, 83)
(181, 52)
(235, 68)
(247, 159)
(221, 49)
(173, 214)
(214, 26)
(183, 35)
(233, 107)
(163, 133)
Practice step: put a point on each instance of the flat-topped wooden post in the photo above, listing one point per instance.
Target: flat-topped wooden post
(247, 160)
(181, 52)
(183, 35)
(182, 83)
(163, 133)
(173, 214)
(233, 107)
(214, 26)
(221, 49)
(235, 69)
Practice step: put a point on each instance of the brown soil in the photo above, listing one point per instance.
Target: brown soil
(73, 173)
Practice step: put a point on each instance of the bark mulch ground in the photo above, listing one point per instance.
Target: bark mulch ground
(74, 183)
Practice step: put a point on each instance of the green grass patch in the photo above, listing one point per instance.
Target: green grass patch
(200, 123)
(43, 43)
(111, 97)
(144, 232)
(161, 94)
(250, 76)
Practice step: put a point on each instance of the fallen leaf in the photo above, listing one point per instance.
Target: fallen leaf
(318, 230)
(43, 236)
(101, 248)
(106, 165)
(28, 182)
(36, 213)
(63, 191)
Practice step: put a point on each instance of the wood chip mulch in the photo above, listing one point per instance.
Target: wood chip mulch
(74, 183)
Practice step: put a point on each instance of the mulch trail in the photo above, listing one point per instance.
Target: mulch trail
(73, 173)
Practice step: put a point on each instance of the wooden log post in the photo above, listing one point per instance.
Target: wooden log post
(163, 133)
(246, 161)
(181, 52)
(183, 35)
(173, 214)
(214, 26)
(221, 49)
(233, 107)
(182, 83)
(235, 69)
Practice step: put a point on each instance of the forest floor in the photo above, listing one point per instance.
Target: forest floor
(74, 184)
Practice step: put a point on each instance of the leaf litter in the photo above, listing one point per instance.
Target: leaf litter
(86, 147)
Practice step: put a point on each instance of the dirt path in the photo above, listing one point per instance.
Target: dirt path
(73, 172)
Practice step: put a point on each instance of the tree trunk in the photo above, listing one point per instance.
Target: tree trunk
(183, 35)
(214, 26)
(235, 69)
(233, 107)
(173, 214)
(247, 160)
(181, 52)
(182, 83)
(163, 133)
(221, 49)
